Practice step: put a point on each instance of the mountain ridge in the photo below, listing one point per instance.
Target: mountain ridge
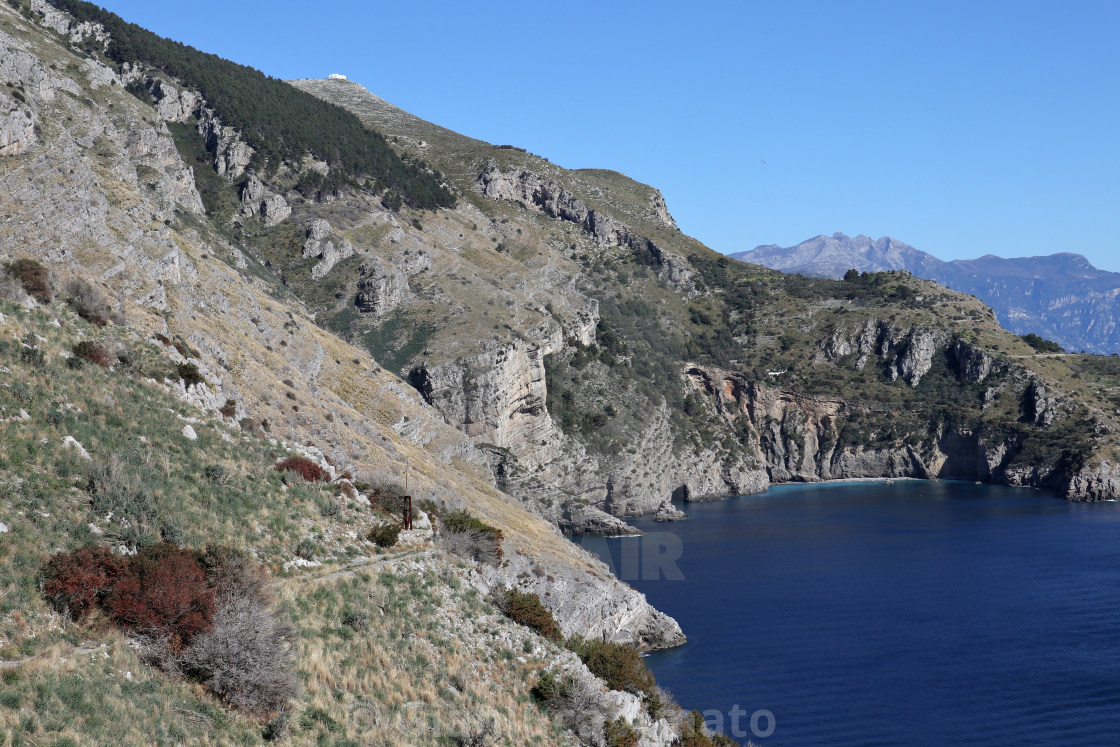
(1059, 296)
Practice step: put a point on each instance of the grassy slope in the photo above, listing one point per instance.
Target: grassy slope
(423, 628)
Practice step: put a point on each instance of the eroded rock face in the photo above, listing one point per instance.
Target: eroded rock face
(257, 201)
(1100, 482)
(531, 190)
(661, 210)
(799, 436)
(1039, 404)
(496, 397)
(17, 126)
(383, 285)
(905, 353)
(584, 520)
(319, 245)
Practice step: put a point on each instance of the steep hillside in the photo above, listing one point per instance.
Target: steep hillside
(546, 350)
(708, 378)
(1060, 296)
(123, 204)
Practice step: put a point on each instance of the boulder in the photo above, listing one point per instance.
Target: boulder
(668, 512)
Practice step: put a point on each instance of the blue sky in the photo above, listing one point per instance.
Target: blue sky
(960, 128)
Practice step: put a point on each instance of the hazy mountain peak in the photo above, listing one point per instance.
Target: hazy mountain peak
(1060, 296)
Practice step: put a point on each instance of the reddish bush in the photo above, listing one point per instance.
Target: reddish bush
(229, 409)
(94, 353)
(79, 580)
(165, 595)
(34, 277)
(306, 468)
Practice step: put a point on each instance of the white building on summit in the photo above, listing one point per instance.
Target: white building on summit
(336, 76)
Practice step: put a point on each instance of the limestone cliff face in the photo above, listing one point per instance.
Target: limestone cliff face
(533, 191)
(805, 438)
(906, 353)
(498, 396)
(383, 285)
(1100, 482)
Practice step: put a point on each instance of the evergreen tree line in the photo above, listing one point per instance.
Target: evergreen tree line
(279, 121)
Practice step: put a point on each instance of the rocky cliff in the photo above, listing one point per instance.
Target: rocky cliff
(1061, 297)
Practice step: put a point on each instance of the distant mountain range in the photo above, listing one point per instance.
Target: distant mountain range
(1061, 297)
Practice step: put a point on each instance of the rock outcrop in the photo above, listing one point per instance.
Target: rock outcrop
(321, 246)
(533, 191)
(256, 200)
(384, 285)
(904, 352)
(581, 519)
(1099, 482)
(17, 126)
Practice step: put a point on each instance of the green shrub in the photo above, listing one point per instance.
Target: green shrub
(385, 535)
(695, 734)
(1040, 344)
(550, 688)
(190, 374)
(618, 733)
(525, 608)
(469, 537)
(621, 667)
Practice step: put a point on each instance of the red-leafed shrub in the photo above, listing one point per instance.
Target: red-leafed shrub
(229, 409)
(94, 353)
(79, 580)
(305, 468)
(34, 277)
(166, 595)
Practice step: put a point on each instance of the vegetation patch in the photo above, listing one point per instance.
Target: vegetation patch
(305, 468)
(34, 277)
(280, 122)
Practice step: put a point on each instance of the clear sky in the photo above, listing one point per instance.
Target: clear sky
(962, 128)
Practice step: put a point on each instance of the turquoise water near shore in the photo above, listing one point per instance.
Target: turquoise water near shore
(874, 614)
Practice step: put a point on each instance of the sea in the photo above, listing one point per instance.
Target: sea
(880, 613)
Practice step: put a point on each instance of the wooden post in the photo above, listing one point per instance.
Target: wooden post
(406, 520)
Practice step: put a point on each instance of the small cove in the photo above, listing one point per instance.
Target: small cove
(908, 613)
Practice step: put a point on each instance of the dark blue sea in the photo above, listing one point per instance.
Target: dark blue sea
(861, 613)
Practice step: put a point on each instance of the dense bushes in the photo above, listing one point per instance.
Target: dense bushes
(88, 301)
(695, 734)
(161, 592)
(278, 120)
(189, 374)
(622, 668)
(305, 468)
(205, 614)
(470, 537)
(164, 595)
(1040, 344)
(525, 608)
(34, 277)
(385, 535)
(94, 352)
(79, 581)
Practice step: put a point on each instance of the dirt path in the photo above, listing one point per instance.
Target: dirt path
(365, 565)
(15, 663)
